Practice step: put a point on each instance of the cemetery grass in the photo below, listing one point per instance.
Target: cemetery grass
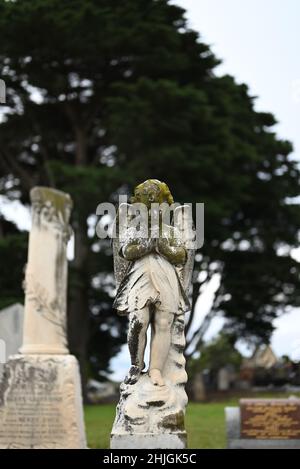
(205, 423)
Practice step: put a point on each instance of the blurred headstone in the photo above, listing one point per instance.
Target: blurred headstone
(224, 377)
(198, 387)
(40, 394)
(264, 424)
(11, 332)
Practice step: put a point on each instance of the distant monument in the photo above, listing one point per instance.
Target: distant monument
(197, 387)
(40, 394)
(153, 268)
(11, 332)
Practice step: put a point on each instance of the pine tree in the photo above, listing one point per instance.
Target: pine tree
(104, 94)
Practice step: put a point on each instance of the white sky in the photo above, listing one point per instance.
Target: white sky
(258, 41)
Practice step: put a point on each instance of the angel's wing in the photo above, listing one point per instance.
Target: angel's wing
(120, 264)
(183, 222)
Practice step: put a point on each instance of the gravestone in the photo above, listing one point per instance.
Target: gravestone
(11, 332)
(264, 424)
(223, 379)
(198, 387)
(40, 394)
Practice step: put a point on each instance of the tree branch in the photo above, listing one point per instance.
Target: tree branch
(195, 296)
(198, 335)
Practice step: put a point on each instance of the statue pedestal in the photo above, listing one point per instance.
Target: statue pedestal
(149, 416)
(149, 441)
(40, 403)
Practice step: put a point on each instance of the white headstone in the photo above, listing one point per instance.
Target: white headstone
(40, 394)
(223, 379)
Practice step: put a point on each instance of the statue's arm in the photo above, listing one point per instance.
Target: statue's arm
(173, 251)
(135, 249)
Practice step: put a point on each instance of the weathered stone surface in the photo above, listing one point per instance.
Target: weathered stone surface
(153, 269)
(149, 441)
(40, 394)
(46, 273)
(149, 415)
(40, 403)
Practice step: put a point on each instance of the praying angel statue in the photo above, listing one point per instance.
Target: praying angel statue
(153, 259)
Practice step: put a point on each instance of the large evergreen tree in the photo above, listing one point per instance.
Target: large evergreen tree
(103, 94)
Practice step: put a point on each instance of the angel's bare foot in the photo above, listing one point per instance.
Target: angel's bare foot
(156, 377)
(133, 375)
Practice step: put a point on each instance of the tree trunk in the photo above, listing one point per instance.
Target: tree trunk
(78, 311)
(80, 156)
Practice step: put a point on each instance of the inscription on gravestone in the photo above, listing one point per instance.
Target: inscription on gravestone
(267, 419)
(33, 404)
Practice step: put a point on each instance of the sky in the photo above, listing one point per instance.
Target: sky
(258, 42)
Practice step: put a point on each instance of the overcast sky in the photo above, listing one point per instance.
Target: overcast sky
(258, 41)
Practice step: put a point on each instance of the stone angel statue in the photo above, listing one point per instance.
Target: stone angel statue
(153, 261)
(153, 269)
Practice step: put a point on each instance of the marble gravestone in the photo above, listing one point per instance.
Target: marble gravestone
(153, 270)
(40, 394)
(11, 332)
(264, 424)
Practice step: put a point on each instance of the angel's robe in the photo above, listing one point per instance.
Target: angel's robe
(150, 280)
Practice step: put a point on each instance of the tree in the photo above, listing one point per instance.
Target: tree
(102, 95)
(218, 353)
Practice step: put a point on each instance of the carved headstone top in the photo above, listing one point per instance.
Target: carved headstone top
(51, 207)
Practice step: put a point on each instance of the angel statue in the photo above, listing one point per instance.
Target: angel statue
(153, 268)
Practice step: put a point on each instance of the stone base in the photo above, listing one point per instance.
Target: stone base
(149, 441)
(149, 416)
(41, 403)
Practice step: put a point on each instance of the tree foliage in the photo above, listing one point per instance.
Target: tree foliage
(102, 95)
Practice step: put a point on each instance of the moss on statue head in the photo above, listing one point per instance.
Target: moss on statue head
(152, 191)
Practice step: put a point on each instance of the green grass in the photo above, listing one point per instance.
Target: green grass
(98, 424)
(205, 423)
